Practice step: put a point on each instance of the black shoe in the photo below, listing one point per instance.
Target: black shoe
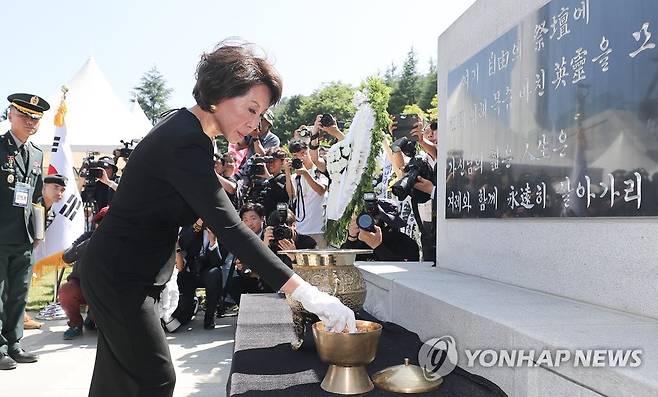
(6, 362)
(23, 357)
(208, 323)
(89, 324)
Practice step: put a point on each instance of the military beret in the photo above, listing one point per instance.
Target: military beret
(55, 178)
(30, 105)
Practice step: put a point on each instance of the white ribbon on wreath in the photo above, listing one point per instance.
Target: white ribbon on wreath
(346, 159)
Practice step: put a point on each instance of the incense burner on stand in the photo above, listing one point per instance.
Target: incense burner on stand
(331, 271)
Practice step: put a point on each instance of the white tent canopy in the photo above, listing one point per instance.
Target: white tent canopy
(624, 155)
(139, 116)
(96, 119)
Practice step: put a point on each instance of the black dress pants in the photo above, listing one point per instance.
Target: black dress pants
(209, 278)
(132, 357)
(15, 276)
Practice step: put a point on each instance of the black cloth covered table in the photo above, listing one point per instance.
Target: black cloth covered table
(265, 365)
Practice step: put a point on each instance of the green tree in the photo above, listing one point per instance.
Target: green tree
(287, 117)
(391, 77)
(152, 94)
(433, 110)
(407, 91)
(4, 115)
(415, 109)
(334, 98)
(429, 87)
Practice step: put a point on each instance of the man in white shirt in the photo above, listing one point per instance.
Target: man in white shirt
(311, 187)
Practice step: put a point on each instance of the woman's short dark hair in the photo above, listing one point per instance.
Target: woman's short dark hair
(231, 70)
(257, 208)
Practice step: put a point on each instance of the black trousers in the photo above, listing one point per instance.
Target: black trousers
(132, 357)
(15, 276)
(208, 278)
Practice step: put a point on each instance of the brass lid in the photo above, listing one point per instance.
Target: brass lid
(405, 378)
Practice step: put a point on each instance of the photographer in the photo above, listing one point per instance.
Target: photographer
(323, 123)
(280, 187)
(202, 268)
(310, 188)
(378, 228)
(246, 281)
(418, 181)
(259, 140)
(102, 182)
(429, 145)
(254, 181)
(70, 294)
(281, 234)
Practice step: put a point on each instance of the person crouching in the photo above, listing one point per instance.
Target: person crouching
(70, 294)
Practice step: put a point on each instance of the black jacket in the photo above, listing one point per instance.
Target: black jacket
(16, 223)
(191, 242)
(170, 182)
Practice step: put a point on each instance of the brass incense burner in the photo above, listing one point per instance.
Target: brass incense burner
(331, 271)
(347, 355)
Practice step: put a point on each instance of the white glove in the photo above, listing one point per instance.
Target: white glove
(330, 309)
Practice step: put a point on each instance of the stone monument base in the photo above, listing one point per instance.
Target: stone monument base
(489, 315)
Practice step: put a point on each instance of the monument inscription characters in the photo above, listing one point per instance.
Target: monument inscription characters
(558, 117)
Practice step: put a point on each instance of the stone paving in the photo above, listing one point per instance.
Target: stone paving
(202, 359)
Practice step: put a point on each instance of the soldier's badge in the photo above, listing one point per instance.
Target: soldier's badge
(10, 178)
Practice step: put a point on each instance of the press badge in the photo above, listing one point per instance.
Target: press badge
(21, 194)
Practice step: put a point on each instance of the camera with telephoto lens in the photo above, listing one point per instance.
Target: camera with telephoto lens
(91, 171)
(89, 163)
(417, 166)
(256, 165)
(281, 231)
(367, 219)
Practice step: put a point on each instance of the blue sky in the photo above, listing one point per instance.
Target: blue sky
(47, 41)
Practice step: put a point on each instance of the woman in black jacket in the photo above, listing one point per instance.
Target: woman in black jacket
(170, 182)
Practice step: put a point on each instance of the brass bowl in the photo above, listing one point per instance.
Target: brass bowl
(347, 355)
